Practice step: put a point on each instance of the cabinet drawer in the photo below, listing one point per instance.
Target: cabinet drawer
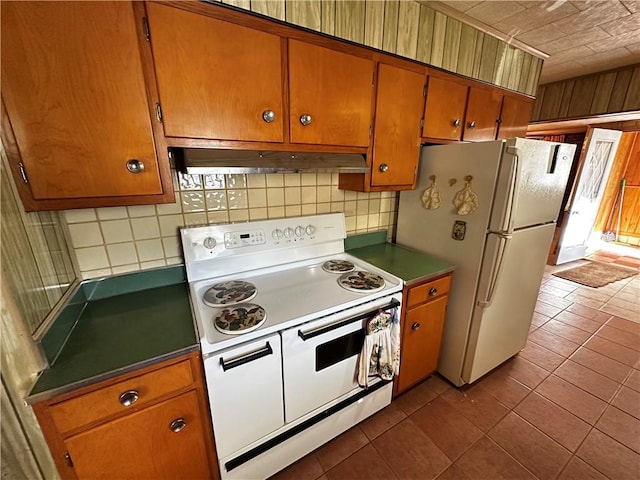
(93, 406)
(428, 291)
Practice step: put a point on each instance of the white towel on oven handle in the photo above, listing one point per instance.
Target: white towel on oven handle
(380, 353)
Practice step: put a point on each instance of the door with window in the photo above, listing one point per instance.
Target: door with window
(587, 193)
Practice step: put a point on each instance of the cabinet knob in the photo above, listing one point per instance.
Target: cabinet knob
(383, 167)
(129, 398)
(268, 116)
(415, 326)
(177, 425)
(472, 125)
(305, 119)
(135, 166)
(456, 123)
(433, 292)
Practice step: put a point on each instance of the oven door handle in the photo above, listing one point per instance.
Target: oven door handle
(263, 352)
(320, 331)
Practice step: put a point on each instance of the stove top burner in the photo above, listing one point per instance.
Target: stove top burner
(229, 293)
(360, 281)
(240, 319)
(338, 266)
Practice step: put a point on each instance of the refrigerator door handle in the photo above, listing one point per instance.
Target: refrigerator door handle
(507, 226)
(495, 270)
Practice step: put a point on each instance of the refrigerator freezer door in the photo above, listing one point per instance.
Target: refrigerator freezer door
(508, 288)
(531, 182)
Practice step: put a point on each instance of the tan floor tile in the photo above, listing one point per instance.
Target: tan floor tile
(307, 468)
(632, 315)
(616, 301)
(334, 452)
(628, 400)
(618, 352)
(624, 325)
(486, 460)
(554, 300)
(576, 469)
(609, 457)
(538, 319)
(453, 473)
(596, 293)
(563, 330)
(541, 356)
(503, 388)
(575, 400)
(477, 405)
(588, 380)
(553, 342)
(553, 290)
(450, 431)
(546, 309)
(588, 312)
(421, 394)
(599, 363)
(633, 381)
(578, 321)
(621, 427)
(541, 455)
(410, 453)
(382, 421)
(365, 464)
(564, 427)
(524, 371)
(628, 339)
(585, 300)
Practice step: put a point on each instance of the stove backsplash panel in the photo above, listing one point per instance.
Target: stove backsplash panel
(116, 240)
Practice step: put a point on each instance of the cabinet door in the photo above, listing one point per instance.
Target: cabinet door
(514, 117)
(444, 109)
(483, 112)
(151, 443)
(73, 86)
(330, 96)
(396, 139)
(421, 340)
(216, 79)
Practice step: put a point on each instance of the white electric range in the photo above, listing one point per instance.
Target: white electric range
(280, 310)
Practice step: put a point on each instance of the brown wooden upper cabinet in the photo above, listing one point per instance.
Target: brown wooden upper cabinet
(222, 81)
(482, 115)
(396, 137)
(458, 110)
(330, 96)
(515, 116)
(217, 80)
(444, 108)
(77, 124)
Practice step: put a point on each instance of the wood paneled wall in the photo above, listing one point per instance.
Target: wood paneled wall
(411, 30)
(596, 94)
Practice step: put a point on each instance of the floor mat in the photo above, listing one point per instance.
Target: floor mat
(595, 274)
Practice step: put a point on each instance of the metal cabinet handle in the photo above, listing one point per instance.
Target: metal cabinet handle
(129, 398)
(415, 326)
(433, 292)
(456, 123)
(135, 166)
(472, 125)
(305, 119)
(177, 425)
(268, 116)
(383, 167)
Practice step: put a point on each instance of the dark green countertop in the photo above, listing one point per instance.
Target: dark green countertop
(118, 334)
(410, 265)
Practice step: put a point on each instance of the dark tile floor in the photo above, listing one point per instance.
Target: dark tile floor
(567, 407)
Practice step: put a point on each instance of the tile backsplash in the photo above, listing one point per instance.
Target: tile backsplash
(115, 240)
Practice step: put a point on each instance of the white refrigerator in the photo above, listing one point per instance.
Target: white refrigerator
(499, 248)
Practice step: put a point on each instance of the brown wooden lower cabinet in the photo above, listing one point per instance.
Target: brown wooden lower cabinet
(422, 324)
(137, 426)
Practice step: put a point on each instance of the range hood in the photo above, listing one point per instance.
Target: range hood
(202, 161)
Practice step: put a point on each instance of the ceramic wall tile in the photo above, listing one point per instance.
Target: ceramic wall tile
(122, 254)
(85, 234)
(150, 249)
(115, 231)
(146, 227)
(141, 211)
(111, 213)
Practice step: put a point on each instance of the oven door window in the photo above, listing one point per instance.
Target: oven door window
(339, 349)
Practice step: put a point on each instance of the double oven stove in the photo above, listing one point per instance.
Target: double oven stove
(281, 311)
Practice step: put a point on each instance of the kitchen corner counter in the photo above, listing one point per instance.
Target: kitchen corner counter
(117, 325)
(408, 264)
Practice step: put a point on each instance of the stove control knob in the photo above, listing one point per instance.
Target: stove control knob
(277, 234)
(300, 231)
(288, 232)
(310, 229)
(209, 243)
